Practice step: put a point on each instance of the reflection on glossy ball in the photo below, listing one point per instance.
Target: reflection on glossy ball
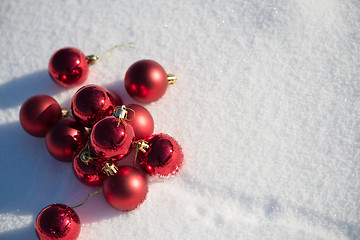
(111, 138)
(91, 103)
(68, 67)
(57, 221)
(164, 157)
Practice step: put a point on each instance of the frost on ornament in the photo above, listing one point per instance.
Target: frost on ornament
(163, 155)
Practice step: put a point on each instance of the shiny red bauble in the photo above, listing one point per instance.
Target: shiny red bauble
(38, 114)
(141, 121)
(111, 138)
(164, 156)
(89, 173)
(146, 81)
(92, 103)
(127, 189)
(57, 221)
(68, 67)
(64, 138)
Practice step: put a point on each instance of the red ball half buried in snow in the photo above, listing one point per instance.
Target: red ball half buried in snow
(38, 114)
(127, 189)
(57, 221)
(146, 81)
(68, 67)
(64, 138)
(92, 103)
(111, 138)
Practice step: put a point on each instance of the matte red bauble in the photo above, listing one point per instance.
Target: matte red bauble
(127, 189)
(164, 156)
(64, 138)
(88, 173)
(146, 81)
(141, 121)
(111, 138)
(92, 103)
(38, 114)
(68, 67)
(57, 221)
(117, 100)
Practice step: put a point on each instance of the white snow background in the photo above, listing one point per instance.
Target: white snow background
(267, 110)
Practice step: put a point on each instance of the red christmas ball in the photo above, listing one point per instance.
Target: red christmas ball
(88, 173)
(111, 138)
(57, 221)
(164, 156)
(92, 103)
(127, 189)
(64, 138)
(146, 81)
(141, 121)
(68, 67)
(38, 114)
(117, 99)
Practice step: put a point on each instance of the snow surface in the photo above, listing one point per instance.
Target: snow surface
(266, 109)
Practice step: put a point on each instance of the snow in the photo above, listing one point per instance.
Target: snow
(266, 109)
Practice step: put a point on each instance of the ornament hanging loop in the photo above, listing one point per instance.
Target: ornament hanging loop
(132, 110)
(120, 113)
(119, 46)
(92, 59)
(171, 78)
(85, 155)
(89, 195)
(126, 45)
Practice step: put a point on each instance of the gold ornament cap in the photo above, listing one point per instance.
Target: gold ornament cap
(110, 169)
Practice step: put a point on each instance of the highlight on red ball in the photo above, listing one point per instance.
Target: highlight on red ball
(38, 114)
(141, 121)
(127, 189)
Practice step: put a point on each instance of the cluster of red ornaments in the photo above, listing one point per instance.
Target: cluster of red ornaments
(99, 134)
